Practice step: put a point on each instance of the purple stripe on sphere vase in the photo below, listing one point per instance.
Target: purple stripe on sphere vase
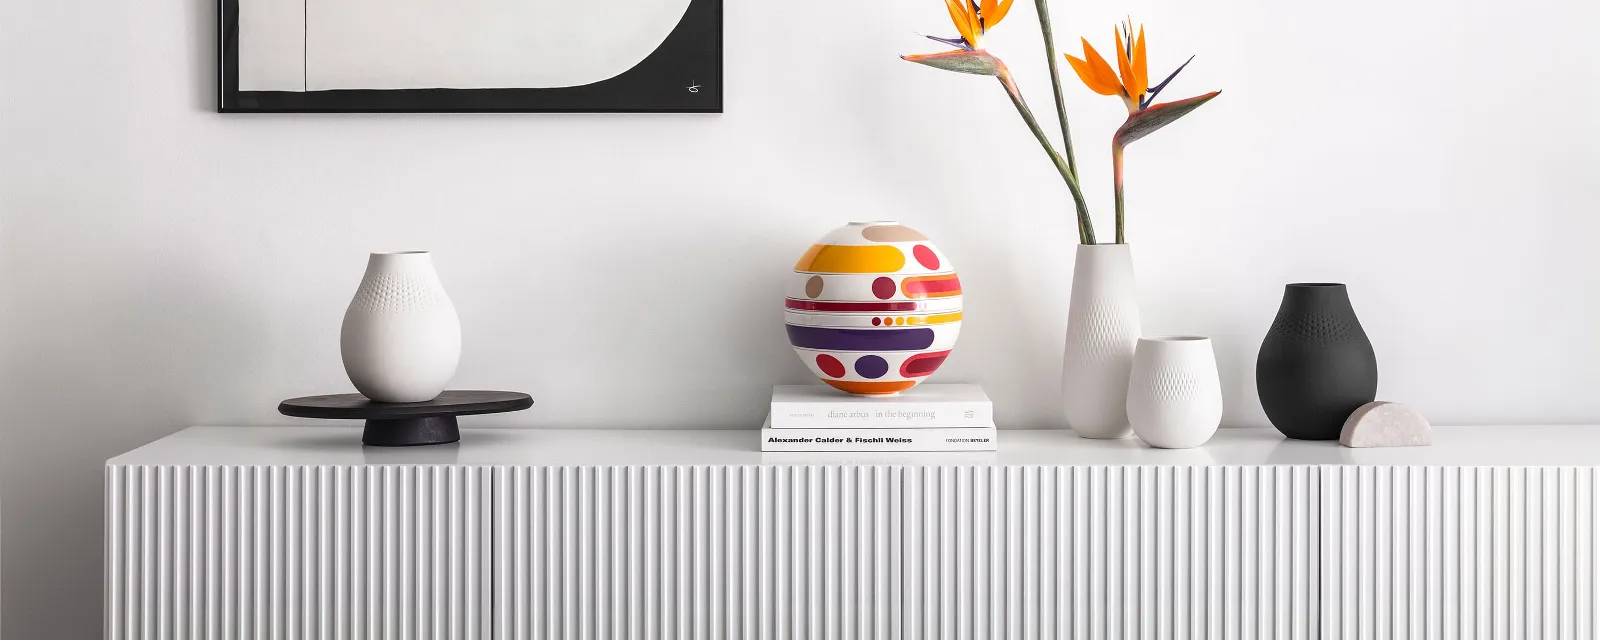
(831, 339)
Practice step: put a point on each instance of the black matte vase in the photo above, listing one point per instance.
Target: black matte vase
(1316, 366)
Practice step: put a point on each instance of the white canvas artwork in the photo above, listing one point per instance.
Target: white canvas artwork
(398, 45)
(272, 45)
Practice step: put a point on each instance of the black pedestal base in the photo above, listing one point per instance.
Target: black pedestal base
(411, 432)
(406, 424)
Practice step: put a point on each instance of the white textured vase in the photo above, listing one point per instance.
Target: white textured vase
(1102, 328)
(1174, 394)
(401, 339)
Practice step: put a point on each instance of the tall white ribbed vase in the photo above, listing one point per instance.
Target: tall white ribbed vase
(1174, 394)
(401, 338)
(1102, 329)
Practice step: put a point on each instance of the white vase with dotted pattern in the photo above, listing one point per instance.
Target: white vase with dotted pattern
(1102, 327)
(1174, 394)
(401, 338)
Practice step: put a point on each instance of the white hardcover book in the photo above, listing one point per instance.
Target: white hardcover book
(801, 406)
(845, 440)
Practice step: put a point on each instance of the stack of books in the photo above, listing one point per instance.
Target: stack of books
(929, 417)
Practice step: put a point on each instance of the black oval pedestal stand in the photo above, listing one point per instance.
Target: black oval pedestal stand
(406, 424)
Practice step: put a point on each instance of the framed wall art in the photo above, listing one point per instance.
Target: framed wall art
(470, 56)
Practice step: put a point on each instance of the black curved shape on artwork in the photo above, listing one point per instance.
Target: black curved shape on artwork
(1316, 365)
(691, 56)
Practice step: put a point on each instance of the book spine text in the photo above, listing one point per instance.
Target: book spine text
(938, 439)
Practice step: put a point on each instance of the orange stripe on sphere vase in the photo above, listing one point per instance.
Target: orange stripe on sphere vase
(832, 258)
(871, 388)
(865, 281)
(931, 286)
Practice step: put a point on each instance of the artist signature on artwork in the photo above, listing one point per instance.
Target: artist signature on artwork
(694, 87)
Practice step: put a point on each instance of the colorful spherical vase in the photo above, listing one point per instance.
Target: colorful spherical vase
(873, 308)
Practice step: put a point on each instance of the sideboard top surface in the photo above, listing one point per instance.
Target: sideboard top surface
(341, 446)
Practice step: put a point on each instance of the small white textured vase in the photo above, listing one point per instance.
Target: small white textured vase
(401, 338)
(1102, 327)
(1174, 394)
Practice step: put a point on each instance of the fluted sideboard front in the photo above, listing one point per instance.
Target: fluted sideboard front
(299, 532)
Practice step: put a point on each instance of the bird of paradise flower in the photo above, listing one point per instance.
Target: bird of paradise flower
(973, 19)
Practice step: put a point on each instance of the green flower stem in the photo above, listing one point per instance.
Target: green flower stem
(1085, 230)
(1116, 175)
(1055, 83)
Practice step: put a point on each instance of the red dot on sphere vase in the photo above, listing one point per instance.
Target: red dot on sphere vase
(925, 256)
(877, 321)
(830, 365)
(884, 288)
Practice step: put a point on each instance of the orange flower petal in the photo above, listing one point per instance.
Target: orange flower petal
(1123, 65)
(1092, 80)
(972, 21)
(1082, 69)
(958, 15)
(985, 11)
(1104, 76)
(993, 18)
(1141, 67)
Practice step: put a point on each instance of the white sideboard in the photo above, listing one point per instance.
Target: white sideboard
(299, 532)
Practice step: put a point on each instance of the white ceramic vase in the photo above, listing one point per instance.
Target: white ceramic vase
(1174, 394)
(401, 338)
(1102, 328)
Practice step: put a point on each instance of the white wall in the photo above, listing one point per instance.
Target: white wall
(163, 265)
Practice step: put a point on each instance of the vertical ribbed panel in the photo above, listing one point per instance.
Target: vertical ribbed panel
(402, 552)
(392, 552)
(906, 552)
(1460, 552)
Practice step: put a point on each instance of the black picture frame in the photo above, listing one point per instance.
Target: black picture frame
(683, 75)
